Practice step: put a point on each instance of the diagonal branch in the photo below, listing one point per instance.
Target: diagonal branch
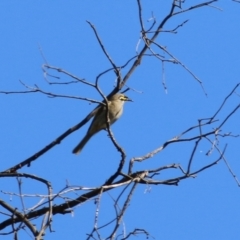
(58, 140)
(117, 71)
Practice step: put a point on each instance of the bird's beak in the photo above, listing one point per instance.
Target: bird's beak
(128, 99)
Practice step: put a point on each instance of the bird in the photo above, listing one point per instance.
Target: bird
(115, 110)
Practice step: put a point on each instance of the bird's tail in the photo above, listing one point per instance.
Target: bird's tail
(80, 146)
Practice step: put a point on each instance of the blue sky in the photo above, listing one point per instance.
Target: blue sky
(206, 207)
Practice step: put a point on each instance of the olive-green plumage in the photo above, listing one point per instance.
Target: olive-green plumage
(115, 110)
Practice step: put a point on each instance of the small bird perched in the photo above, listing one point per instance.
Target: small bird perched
(115, 110)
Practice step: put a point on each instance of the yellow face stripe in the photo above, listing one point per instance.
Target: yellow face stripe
(123, 98)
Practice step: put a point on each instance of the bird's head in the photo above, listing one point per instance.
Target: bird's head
(120, 96)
